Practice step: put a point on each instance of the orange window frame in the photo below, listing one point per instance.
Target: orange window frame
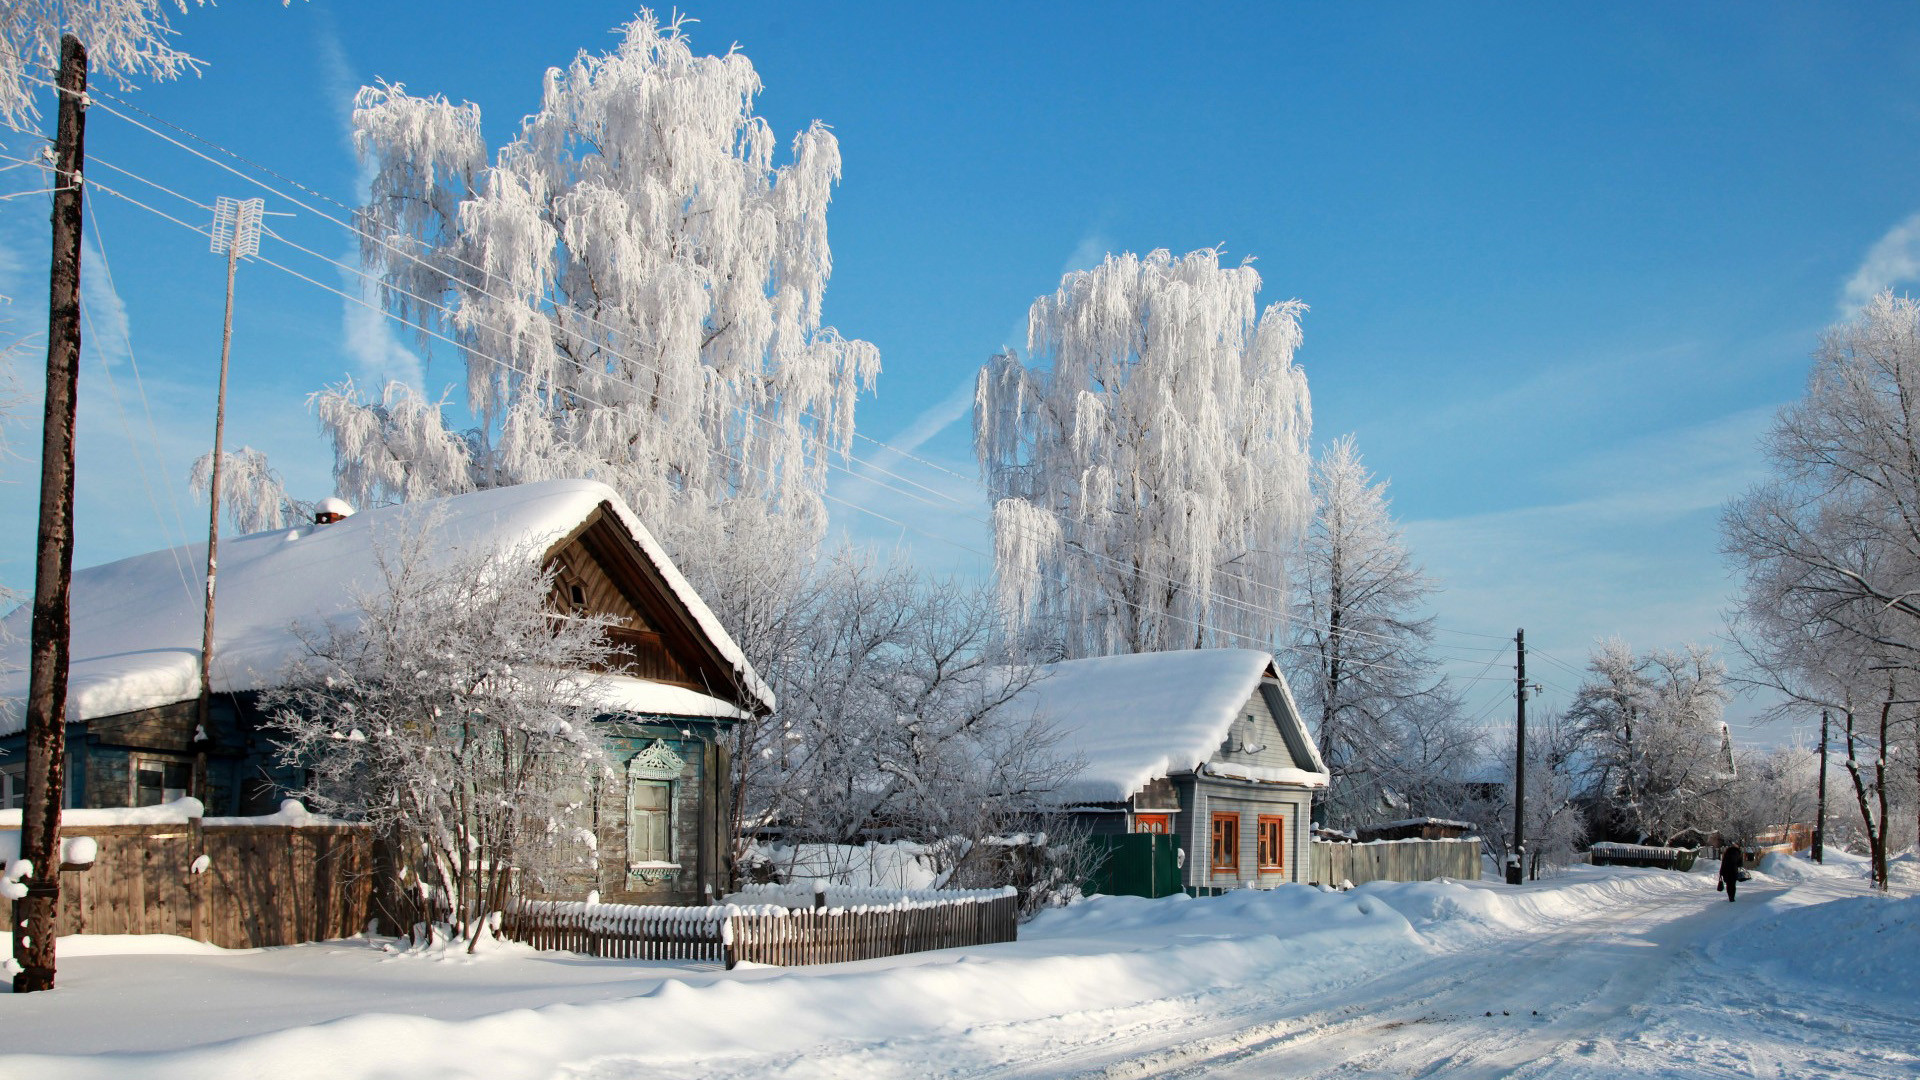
(1273, 842)
(1153, 823)
(1226, 843)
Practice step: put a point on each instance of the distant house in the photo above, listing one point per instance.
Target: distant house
(1205, 745)
(134, 685)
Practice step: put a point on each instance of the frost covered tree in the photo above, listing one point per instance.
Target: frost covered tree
(255, 497)
(1386, 720)
(454, 715)
(1828, 551)
(1659, 758)
(124, 39)
(1556, 823)
(635, 291)
(891, 721)
(1149, 470)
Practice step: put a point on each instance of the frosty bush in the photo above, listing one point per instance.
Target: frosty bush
(454, 715)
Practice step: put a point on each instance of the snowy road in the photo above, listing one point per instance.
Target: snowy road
(1634, 988)
(1599, 973)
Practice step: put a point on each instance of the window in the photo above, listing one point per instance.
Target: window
(1226, 843)
(1273, 850)
(157, 780)
(649, 822)
(13, 786)
(1154, 823)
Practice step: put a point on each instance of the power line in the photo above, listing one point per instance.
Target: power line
(1228, 602)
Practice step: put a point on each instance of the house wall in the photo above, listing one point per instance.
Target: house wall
(700, 802)
(1204, 796)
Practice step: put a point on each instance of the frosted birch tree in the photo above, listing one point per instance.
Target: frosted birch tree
(454, 715)
(254, 496)
(634, 287)
(1384, 715)
(1149, 469)
(124, 39)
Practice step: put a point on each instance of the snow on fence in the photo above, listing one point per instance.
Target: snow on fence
(234, 882)
(1608, 853)
(880, 923)
(1396, 860)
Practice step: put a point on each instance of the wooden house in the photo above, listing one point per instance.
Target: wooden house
(134, 737)
(1205, 745)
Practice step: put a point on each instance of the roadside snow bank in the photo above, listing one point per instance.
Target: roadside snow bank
(1868, 944)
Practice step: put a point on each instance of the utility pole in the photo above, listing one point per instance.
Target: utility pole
(1820, 821)
(34, 914)
(236, 234)
(1516, 861)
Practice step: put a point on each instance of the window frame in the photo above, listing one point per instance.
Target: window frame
(664, 813)
(1142, 823)
(1278, 824)
(1230, 834)
(138, 758)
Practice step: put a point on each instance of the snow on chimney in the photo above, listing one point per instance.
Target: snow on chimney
(331, 509)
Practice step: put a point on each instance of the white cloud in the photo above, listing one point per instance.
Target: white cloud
(1893, 260)
(105, 333)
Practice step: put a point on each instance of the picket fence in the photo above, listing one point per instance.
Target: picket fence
(879, 923)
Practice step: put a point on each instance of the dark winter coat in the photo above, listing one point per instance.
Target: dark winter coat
(1730, 863)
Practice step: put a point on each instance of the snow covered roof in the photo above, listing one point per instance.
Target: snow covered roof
(137, 622)
(1136, 718)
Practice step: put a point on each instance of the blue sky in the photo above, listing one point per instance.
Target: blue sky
(1562, 264)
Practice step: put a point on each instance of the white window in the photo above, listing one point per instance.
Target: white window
(649, 822)
(650, 781)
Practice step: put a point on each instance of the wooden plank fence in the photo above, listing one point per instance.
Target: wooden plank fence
(765, 933)
(262, 884)
(1396, 860)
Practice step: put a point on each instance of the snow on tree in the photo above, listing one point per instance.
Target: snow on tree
(1658, 755)
(1386, 720)
(1555, 824)
(1829, 554)
(256, 498)
(124, 38)
(454, 716)
(1149, 472)
(890, 719)
(635, 288)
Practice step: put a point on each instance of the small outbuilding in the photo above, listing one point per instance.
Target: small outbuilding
(1205, 746)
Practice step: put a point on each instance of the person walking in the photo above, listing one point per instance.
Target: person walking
(1730, 862)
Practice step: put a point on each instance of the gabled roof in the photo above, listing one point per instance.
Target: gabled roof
(1136, 718)
(137, 622)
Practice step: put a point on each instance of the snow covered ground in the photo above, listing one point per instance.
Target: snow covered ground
(1603, 972)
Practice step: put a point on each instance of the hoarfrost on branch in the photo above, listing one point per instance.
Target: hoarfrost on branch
(635, 288)
(1149, 472)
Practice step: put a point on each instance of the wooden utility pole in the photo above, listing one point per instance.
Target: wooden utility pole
(1820, 820)
(34, 914)
(236, 232)
(1516, 863)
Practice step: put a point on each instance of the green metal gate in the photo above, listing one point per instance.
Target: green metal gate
(1136, 864)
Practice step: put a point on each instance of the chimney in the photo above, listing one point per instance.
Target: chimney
(331, 509)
